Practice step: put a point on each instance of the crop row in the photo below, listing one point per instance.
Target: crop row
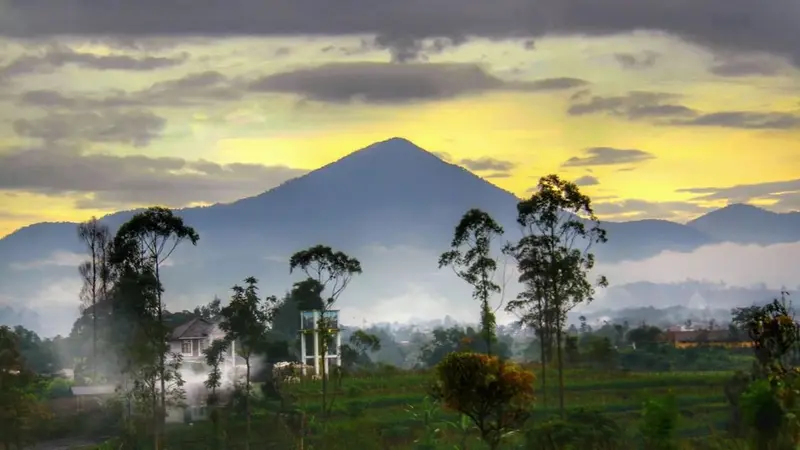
(418, 382)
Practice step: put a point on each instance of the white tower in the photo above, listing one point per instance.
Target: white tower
(310, 334)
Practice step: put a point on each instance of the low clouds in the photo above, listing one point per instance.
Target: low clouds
(104, 180)
(136, 128)
(396, 83)
(635, 209)
(662, 109)
(607, 156)
(785, 194)
(741, 25)
(731, 264)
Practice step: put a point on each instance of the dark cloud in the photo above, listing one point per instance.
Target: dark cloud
(487, 164)
(730, 64)
(662, 110)
(106, 180)
(55, 58)
(634, 105)
(643, 60)
(135, 128)
(557, 84)
(767, 25)
(743, 69)
(195, 89)
(587, 180)
(405, 48)
(643, 209)
(337, 83)
(743, 119)
(396, 83)
(607, 156)
(498, 175)
(787, 191)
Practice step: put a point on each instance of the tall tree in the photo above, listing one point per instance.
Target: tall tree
(554, 258)
(470, 257)
(152, 236)
(96, 275)
(214, 356)
(333, 271)
(245, 321)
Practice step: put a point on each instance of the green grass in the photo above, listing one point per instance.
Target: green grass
(378, 403)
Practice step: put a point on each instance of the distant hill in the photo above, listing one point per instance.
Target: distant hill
(749, 224)
(381, 204)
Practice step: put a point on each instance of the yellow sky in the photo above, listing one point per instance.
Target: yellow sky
(532, 130)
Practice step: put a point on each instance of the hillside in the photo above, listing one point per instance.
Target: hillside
(392, 204)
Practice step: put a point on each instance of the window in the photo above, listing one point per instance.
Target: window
(186, 347)
(331, 319)
(332, 350)
(308, 321)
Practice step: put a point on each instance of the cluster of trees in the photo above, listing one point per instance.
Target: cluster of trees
(122, 333)
(123, 290)
(553, 259)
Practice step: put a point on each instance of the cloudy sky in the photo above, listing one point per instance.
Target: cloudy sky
(660, 109)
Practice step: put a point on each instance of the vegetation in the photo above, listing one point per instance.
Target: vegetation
(619, 386)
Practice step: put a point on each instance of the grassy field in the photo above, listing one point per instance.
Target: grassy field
(376, 411)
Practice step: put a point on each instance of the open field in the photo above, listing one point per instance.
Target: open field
(376, 411)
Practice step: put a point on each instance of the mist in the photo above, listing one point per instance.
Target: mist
(405, 285)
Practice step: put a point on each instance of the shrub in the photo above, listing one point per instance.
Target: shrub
(496, 395)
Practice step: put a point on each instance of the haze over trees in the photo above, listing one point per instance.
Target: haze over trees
(479, 378)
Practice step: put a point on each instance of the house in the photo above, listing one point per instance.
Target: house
(191, 338)
(715, 338)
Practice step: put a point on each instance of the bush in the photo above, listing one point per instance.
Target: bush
(659, 423)
(496, 395)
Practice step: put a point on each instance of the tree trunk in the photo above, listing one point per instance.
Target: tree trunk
(94, 313)
(156, 419)
(560, 356)
(486, 330)
(543, 361)
(161, 350)
(247, 401)
(324, 352)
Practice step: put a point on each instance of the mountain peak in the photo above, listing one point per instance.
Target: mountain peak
(395, 146)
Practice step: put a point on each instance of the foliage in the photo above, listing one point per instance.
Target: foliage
(496, 395)
(356, 352)
(245, 320)
(21, 407)
(582, 429)
(660, 423)
(140, 247)
(470, 258)
(332, 271)
(97, 277)
(554, 261)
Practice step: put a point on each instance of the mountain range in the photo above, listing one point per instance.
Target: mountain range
(393, 205)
